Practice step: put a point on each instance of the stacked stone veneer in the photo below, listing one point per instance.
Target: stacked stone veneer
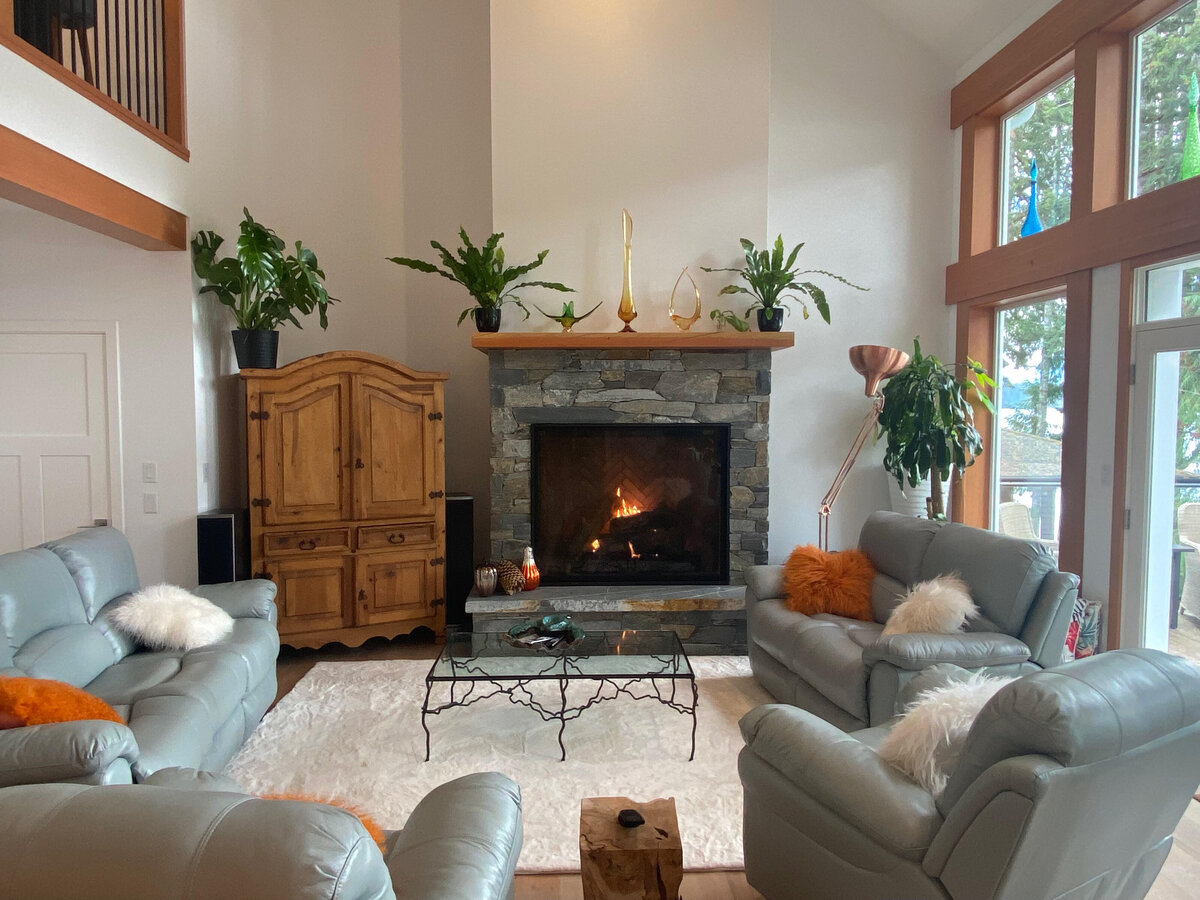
(625, 387)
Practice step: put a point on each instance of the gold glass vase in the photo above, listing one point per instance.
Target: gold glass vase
(626, 311)
(683, 323)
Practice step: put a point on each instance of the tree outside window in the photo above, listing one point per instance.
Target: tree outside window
(1042, 131)
(1167, 56)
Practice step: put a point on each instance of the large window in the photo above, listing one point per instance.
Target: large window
(1029, 424)
(1166, 59)
(1040, 133)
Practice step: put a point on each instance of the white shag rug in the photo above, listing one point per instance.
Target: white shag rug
(352, 731)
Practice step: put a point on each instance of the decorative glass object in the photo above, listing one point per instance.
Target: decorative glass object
(626, 311)
(1033, 222)
(1189, 167)
(485, 580)
(567, 317)
(683, 323)
(553, 632)
(530, 571)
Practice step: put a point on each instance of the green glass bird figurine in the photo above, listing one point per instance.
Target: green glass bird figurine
(567, 317)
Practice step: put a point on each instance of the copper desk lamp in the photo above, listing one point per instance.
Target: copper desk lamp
(874, 363)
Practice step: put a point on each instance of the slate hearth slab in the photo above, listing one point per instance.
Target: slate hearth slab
(600, 598)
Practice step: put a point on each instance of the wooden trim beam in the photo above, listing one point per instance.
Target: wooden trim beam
(979, 188)
(38, 177)
(1073, 476)
(1116, 553)
(1040, 46)
(1101, 102)
(633, 340)
(1166, 218)
(975, 337)
(173, 74)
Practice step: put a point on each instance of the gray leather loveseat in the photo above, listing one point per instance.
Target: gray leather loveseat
(1069, 785)
(198, 836)
(844, 671)
(191, 709)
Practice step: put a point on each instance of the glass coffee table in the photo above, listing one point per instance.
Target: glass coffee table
(642, 665)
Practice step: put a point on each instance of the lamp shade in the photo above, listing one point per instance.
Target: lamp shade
(875, 363)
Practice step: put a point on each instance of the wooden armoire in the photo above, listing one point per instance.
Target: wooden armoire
(347, 496)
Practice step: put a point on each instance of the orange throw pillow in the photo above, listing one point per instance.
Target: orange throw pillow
(816, 581)
(370, 824)
(40, 701)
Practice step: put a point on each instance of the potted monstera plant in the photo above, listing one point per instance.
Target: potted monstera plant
(930, 424)
(264, 286)
(481, 270)
(772, 280)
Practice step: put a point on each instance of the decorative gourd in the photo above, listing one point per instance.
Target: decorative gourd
(529, 571)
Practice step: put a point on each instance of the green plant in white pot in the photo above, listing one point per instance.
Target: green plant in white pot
(772, 280)
(929, 422)
(263, 285)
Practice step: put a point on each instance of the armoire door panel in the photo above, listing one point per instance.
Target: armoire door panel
(395, 441)
(313, 593)
(304, 433)
(395, 586)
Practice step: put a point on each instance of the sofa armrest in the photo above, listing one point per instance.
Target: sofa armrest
(462, 840)
(253, 599)
(92, 751)
(763, 583)
(971, 651)
(845, 776)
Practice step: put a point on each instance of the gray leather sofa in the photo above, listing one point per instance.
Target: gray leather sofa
(1070, 784)
(190, 709)
(203, 839)
(844, 671)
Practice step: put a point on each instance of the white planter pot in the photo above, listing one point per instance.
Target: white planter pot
(911, 501)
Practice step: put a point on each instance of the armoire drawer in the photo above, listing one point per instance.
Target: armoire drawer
(407, 534)
(306, 541)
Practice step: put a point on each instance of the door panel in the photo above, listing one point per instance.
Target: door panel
(393, 587)
(60, 468)
(395, 440)
(313, 593)
(304, 433)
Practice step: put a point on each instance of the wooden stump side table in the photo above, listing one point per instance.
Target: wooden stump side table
(618, 863)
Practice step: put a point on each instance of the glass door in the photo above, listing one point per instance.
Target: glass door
(1161, 597)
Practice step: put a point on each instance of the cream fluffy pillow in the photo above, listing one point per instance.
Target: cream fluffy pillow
(941, 605)
(926, 743)
(166, 617)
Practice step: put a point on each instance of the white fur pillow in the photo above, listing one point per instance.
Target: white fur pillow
(926, 743)
(166, 617)
(941, 605)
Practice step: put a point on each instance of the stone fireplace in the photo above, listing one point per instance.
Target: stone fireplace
(541, 383)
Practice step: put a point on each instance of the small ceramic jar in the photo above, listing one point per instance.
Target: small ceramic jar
(485, 580)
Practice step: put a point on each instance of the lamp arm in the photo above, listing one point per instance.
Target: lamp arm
(831, 495)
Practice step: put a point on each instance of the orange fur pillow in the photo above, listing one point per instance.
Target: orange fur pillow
(370, 824)
(816, 581)
(40, 701)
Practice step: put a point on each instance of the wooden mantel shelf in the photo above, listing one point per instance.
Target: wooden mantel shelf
(636, 340)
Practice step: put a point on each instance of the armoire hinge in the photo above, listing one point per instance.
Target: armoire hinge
(437, 560)
(435, 417)
(261, 501)
(259, 414)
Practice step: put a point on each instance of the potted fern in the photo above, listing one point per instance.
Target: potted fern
(772, 280)
(482, 272)
(930, 424)
(264, 286)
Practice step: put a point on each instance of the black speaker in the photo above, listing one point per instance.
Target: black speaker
(223, 546)
(460, 555)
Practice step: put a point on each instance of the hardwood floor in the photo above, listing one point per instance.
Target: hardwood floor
(1177, 881)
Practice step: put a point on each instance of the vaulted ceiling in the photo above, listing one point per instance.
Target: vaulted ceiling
(957, 30)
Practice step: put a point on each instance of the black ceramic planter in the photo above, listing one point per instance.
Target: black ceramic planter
(487, 319)
(255, 349)
(772, 323)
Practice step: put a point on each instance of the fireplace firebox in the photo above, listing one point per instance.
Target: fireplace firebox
(631, 504)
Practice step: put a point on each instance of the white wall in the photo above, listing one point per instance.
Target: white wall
(858, 168)
(56, 271)
(447, 183)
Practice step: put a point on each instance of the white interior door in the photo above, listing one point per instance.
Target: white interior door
(1151, 552)
(59, 430)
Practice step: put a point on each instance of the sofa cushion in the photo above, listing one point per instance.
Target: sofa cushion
(101, 563)
(1004, 573)
(124, 682)
(39, 574)
(897, 544)
(251, 649)
(75, 654)
(886, 594)
(825, 650)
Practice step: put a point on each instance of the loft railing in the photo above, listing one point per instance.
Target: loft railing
(127, 51)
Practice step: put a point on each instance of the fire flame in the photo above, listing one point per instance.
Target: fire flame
(623, 508)
(595, 545)
(632, 553)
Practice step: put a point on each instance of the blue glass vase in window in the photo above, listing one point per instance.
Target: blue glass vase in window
(1033, 222)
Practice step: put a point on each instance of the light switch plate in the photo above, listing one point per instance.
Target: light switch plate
(149, 503)
(149, 473)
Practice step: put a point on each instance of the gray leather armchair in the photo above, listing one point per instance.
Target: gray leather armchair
(1070, 784)
(198, 836)
(846, 672)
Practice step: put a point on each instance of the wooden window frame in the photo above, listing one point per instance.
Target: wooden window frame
(174, 138)
(1094, 38)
